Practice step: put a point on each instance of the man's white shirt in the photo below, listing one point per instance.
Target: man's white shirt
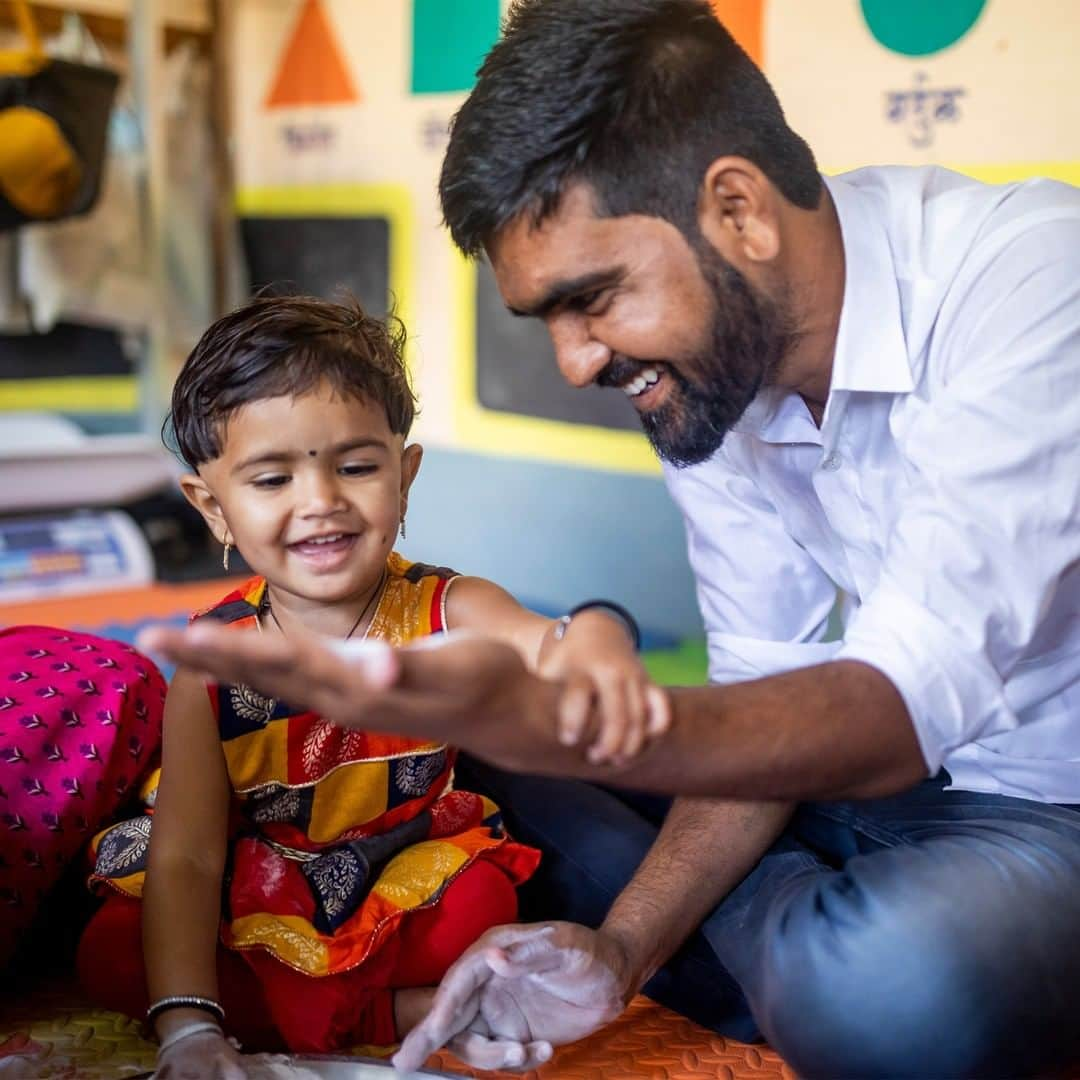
(941, 494)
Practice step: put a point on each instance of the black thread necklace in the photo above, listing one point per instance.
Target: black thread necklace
(266, 609)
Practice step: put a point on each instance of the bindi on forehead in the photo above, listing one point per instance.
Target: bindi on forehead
(313, 453)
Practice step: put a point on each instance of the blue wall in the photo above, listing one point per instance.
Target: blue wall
(554, 536)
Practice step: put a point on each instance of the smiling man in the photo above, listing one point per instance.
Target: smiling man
(869, 383)
(864, 384)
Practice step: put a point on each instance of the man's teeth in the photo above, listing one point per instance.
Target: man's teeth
(641, 382)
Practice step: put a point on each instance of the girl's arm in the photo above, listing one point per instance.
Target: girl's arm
(182, 891)
(483, 606)
(595, 657)
(488, 609)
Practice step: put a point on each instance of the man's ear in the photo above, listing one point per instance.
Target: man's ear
(203, 499)
(411, 457)
(739, 211)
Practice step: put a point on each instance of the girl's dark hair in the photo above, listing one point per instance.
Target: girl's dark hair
(634, 97)
(276, 346)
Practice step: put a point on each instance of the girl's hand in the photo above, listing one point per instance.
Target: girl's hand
(605, 682)
(206, 1055)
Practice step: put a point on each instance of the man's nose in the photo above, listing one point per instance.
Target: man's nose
(579, 355)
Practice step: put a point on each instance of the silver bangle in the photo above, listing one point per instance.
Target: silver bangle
(185, 1001)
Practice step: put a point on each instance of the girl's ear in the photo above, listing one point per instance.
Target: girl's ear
(203, 499)
(411, 457)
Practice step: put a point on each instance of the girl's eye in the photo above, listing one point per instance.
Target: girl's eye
(275, 481)
(358, 469)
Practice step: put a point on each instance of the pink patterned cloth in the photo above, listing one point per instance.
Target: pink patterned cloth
(80, 722)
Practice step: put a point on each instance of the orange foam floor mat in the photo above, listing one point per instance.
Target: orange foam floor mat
(648, 1042)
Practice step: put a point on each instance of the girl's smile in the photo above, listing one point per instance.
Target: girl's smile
(326, 552)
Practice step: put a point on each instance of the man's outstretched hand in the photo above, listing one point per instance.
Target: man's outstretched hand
(518, 992)
(463, 689)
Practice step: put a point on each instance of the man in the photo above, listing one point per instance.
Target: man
(866, 383)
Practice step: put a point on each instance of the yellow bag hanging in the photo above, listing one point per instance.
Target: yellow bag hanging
(53, 122)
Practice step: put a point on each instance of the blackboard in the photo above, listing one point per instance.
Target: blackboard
(319, 256)
(516, 372)
(67, 350)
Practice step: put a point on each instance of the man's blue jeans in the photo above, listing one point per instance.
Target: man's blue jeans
(931, 934)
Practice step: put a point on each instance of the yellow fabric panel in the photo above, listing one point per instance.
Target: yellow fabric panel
(148, 791)
(348, 797)
(404, 613)
(259, 757)
(425, 591)
(400, 615)
(132, 885)
(39, 173)
(289, 937)
(415, 875)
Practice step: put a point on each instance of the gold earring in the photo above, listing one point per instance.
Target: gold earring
(225, 555)
(402, 528)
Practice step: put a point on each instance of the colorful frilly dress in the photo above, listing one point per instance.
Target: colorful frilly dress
(338, 835)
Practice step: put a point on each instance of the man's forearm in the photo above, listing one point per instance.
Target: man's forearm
(836, 730)
(706, 847)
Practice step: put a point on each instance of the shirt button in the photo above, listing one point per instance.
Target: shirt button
(832, 462)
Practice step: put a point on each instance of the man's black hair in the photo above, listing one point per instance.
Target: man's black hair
(277, 346)
(634, 97)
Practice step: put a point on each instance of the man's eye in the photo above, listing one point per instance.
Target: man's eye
(358, 469)
(276, 481)
(592, 303)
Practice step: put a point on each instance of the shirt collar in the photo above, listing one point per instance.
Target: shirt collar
(871, 352)
(777, 416)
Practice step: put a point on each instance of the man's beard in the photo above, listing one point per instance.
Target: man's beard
(749, 337)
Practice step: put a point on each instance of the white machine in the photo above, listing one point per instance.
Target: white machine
(48, 465)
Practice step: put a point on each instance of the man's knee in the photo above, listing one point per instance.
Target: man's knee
(859, 985)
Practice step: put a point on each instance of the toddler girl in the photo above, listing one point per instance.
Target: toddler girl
(307, 886)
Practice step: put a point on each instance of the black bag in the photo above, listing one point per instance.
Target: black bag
(54, 119)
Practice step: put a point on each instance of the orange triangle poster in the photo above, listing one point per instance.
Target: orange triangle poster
(312, 70)
(744, 19)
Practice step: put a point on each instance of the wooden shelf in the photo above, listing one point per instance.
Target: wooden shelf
(145, 33)
(107, 19)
